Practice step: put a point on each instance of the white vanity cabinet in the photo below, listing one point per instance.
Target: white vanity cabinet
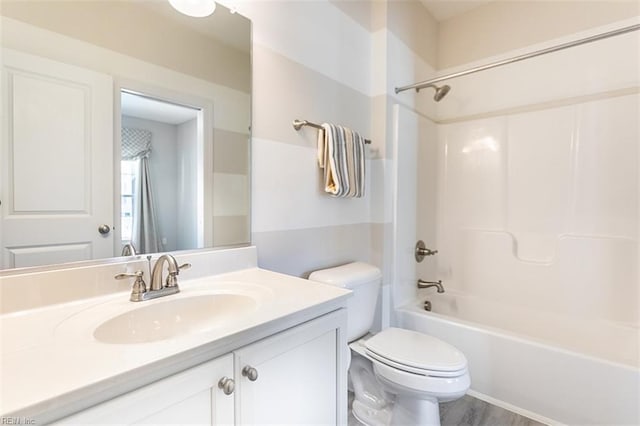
(292, 377)
(297, 376)
(189, 397)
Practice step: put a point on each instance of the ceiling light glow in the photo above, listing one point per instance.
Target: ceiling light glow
(194, 8)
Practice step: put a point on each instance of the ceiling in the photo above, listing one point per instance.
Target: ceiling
(442, 10)
(155, 110)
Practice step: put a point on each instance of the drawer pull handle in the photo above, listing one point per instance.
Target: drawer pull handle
(250, 373)
(227, 385)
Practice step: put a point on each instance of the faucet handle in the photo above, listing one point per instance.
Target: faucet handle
(139, 287)
(172, 277)
(137, 274)
(421, 251)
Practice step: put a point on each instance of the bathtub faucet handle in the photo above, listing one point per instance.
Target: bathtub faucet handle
(428, 284)
(422, 251)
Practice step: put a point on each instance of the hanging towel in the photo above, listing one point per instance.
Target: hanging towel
(341, 155)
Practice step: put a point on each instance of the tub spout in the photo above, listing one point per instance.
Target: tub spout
(427, 284)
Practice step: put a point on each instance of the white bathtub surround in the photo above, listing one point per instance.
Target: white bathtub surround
(46, 347)
(544, 203)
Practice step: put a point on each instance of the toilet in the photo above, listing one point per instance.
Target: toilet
(398, 376)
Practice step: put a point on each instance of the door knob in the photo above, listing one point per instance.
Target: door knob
(250, 373)
(227, 385)
(104, 229)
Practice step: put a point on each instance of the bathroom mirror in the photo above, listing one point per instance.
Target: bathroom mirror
(124, 123)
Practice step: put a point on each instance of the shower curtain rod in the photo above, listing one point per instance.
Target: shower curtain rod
(426, 83)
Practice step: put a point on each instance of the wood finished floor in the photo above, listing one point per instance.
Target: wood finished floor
(470, 411)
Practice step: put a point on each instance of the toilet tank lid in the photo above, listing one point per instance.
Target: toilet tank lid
(348, 276)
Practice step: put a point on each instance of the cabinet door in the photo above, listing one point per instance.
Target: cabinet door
(301, 377)
(190, 397)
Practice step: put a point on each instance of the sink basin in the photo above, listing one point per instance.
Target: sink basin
(174, 317)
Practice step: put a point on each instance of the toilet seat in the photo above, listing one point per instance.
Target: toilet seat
(415, 353)
(414, 370)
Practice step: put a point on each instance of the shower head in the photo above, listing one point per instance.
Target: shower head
(441, 92)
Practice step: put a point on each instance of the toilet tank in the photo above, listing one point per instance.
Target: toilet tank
(364, 280)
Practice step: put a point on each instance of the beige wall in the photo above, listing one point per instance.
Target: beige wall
(360, 11)
(409, 20)
(412, 23)
(133, 29)
(501, 26)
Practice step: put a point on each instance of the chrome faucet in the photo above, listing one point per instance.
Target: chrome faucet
(156, 275)
(428, 284)
(128, 250)
(157, 288)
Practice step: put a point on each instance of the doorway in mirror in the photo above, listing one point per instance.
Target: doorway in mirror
(161, 175)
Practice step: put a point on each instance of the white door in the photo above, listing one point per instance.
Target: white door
(296, 378)
(56, 161)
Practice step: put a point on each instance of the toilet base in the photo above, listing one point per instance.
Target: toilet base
(414, 411)
(386, 396)
(371, 416)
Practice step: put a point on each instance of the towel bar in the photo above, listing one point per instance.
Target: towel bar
(299, 124)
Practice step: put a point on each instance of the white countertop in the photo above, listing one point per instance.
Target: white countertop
(52, 366)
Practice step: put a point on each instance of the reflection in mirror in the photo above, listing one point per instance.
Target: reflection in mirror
(161, 197)
(125, 127)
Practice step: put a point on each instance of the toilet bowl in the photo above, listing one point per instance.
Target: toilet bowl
(398, 376)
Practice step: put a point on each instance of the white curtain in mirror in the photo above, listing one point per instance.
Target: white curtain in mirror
(136, 145)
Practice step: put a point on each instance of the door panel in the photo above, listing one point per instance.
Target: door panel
(57, 161)
(21, 257)
(48, 139)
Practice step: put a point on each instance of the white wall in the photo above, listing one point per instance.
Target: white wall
(186, 185)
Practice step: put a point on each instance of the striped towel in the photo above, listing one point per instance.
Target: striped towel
(341, 155)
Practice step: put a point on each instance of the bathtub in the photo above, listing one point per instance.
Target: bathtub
(549, 367)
